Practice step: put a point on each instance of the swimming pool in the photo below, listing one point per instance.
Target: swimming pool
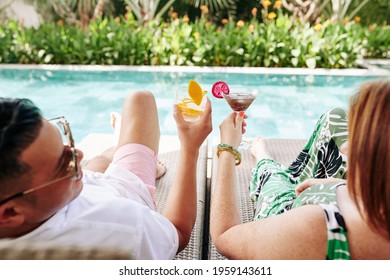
(288, 105)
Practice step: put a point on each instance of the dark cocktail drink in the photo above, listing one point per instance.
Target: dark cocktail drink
(239, 101)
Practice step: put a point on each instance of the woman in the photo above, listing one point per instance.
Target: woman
(308, 211)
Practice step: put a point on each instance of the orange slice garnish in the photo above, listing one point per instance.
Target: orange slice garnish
(189, 112)
(195, 91)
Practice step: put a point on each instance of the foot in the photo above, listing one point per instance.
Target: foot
(116, 120)
(344, 148)
(161, 169)
(259, 149)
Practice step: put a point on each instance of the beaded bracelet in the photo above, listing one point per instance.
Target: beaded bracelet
(230, 149)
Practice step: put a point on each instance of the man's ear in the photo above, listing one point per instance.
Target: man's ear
(10, 215)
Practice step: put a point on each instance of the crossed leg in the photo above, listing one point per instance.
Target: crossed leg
(137, 125)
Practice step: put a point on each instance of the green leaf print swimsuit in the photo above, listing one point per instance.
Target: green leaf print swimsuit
(273, 187)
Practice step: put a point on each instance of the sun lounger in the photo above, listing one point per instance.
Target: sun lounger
(169, 153)
(27, 250)
(283, 151)
(92, 145)
(200, 246)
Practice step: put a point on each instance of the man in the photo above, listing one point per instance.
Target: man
(44, 195)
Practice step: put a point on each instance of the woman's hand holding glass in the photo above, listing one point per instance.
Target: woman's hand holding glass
(232, 129)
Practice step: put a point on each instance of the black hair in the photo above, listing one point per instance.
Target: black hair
(20, 124)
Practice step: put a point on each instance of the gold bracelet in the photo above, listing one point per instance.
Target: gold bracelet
(230, 149)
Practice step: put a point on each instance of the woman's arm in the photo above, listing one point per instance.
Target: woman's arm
(298, 234)
(224, 206)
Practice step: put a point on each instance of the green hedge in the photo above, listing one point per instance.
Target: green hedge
(120, 41)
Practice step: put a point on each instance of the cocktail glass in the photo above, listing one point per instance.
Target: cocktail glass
(191, 112)
(240, 101)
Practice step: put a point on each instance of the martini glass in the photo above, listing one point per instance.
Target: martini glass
(240, 101)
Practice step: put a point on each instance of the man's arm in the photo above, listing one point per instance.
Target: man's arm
(182, 198)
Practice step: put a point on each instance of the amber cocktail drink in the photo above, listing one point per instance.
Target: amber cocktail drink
(190, 111)
(191, 101)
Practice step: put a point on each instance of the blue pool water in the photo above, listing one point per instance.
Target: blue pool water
(287, 106)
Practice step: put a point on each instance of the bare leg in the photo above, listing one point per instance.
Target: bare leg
(140, 121)
(141, 117)
(259, 149)
(140, 125)
(101, 162)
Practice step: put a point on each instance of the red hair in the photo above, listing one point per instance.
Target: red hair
(369, 154)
